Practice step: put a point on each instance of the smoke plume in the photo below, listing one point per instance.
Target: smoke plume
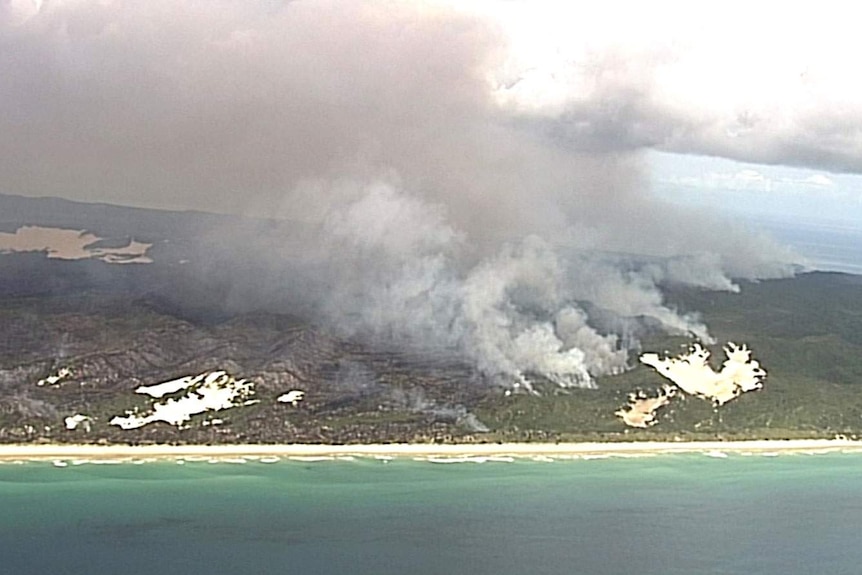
(434, 206)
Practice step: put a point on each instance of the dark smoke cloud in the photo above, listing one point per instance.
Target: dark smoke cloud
(439, 206)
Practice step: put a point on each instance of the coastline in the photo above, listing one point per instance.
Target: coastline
(49, 452)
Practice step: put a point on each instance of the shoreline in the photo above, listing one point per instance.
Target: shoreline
(48, 452)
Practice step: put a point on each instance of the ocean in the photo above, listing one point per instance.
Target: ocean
(662, 515)
(827, 246)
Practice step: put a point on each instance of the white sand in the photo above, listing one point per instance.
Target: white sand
(62, 374)
(293, 397)
(76, 420)
(10, 453)
(214, 391)
(692, 374)
(159, 390)
(641, 410)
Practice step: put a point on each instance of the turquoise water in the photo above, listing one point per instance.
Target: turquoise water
(675, 514)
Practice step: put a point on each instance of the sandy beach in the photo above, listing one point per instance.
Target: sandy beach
(515, 450)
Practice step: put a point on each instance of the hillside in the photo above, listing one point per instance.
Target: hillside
(81, 336)
(812, 353)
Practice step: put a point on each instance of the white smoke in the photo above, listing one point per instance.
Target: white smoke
(400, 272)
(457, 200)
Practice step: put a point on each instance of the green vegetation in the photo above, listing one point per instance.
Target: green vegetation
(806, 332)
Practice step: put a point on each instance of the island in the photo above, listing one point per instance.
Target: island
(125, 339)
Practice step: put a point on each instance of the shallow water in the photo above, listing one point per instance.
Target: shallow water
(670, 514)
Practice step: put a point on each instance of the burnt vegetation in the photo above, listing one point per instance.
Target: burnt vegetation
(805, 331)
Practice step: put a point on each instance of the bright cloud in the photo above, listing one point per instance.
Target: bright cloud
(721, 79)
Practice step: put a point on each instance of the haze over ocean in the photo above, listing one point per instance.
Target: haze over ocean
(668, 514)
(826, 246)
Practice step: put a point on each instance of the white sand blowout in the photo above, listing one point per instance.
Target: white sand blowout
(210, 391)
(693, 375)
(642, 410)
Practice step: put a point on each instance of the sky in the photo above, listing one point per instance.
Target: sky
(783, 194)
(474, 171)
(177, 103)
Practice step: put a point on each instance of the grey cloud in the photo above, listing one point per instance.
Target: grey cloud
(627, 107)
(206, 103)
